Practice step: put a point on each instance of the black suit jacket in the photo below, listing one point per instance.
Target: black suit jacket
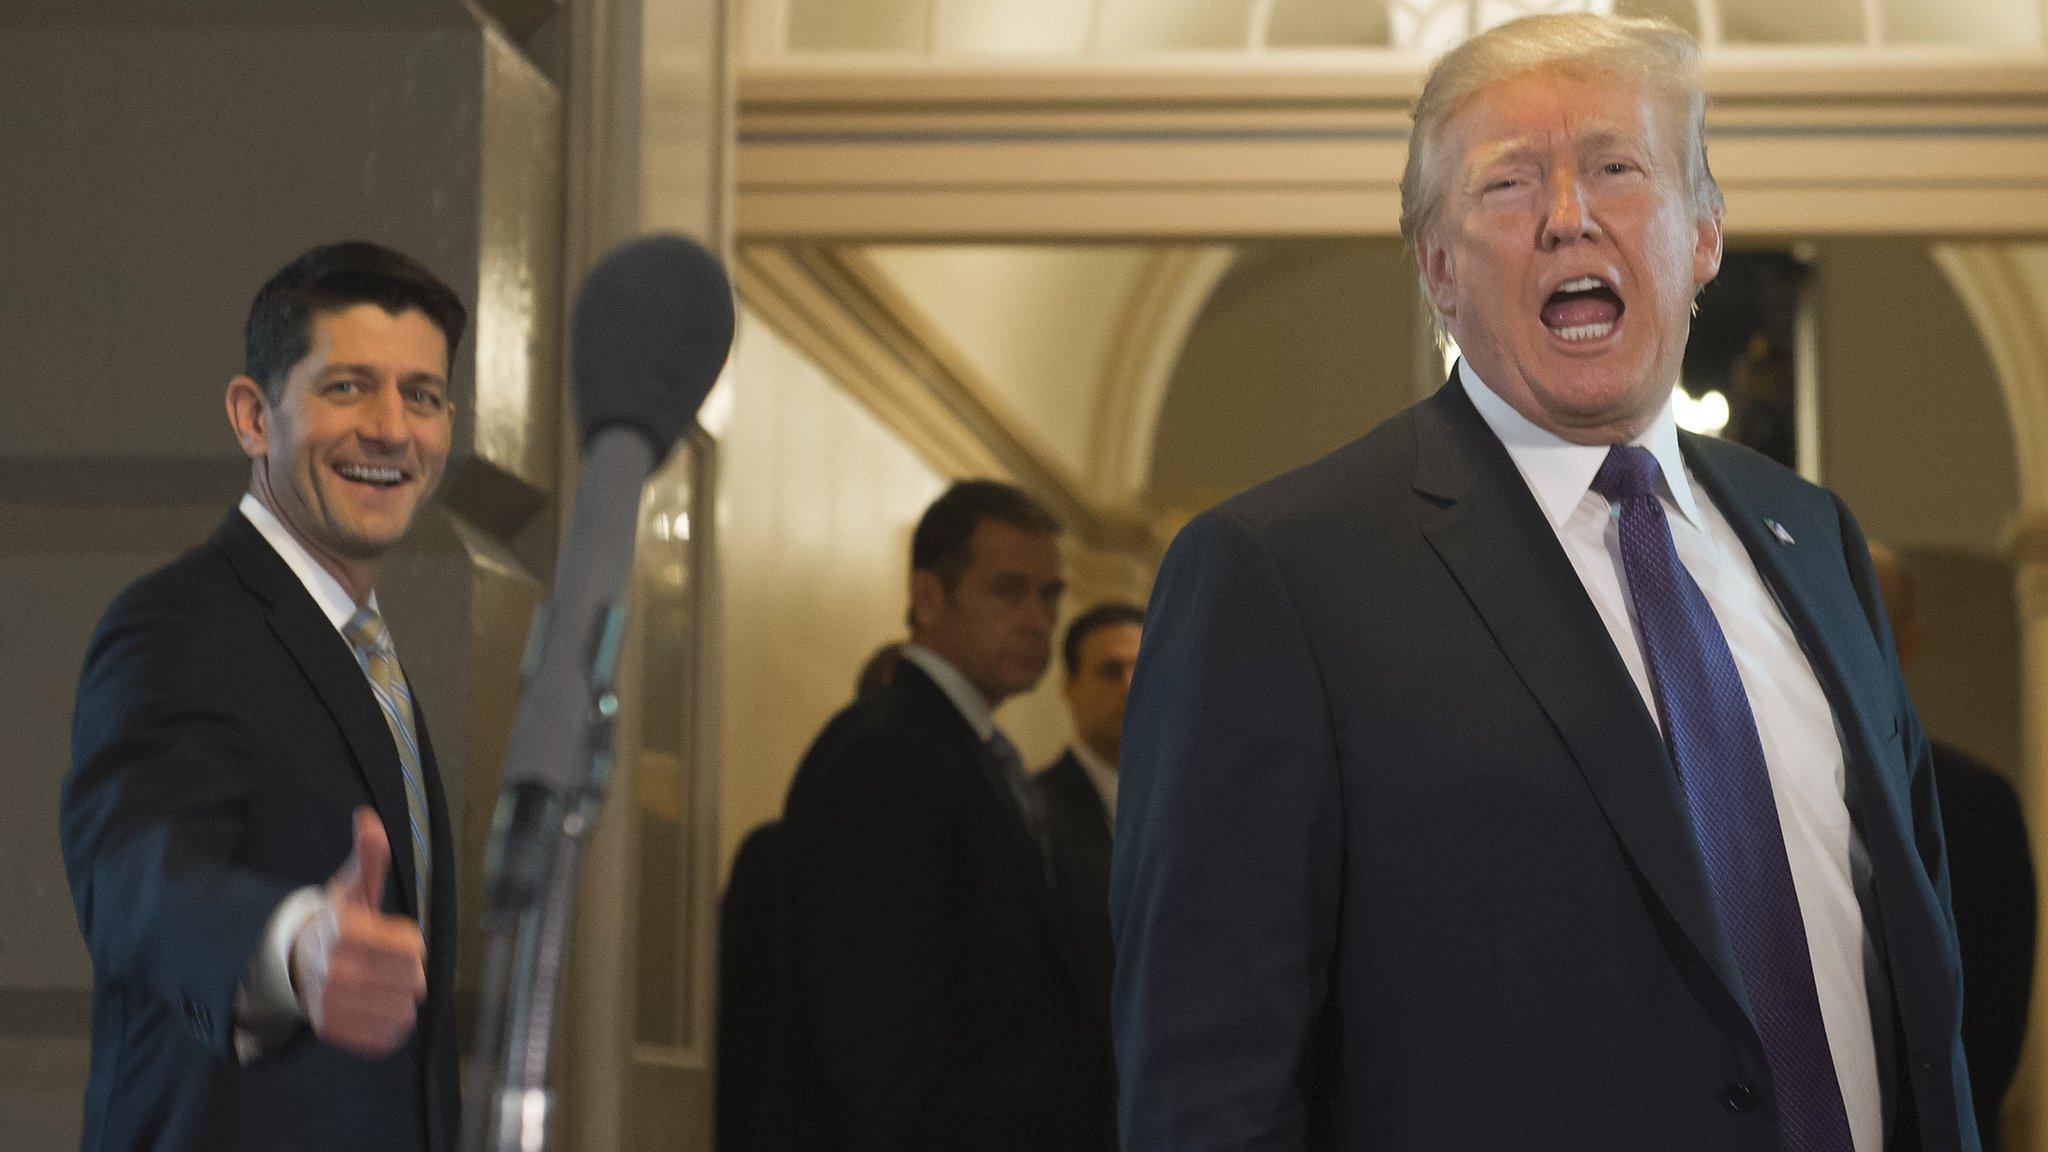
(1401, 861)
(934, 1005)
(1079, 826)
(223, 735)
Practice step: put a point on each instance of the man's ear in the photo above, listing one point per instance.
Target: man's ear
(1706, 251)
(249, 415)
(927, 598)
(1439, 275)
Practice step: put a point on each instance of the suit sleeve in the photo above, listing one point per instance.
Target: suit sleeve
(1224, 889)
(870, 881)
(152, 811)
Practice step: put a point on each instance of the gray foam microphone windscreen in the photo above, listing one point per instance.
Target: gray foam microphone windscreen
(649, 332)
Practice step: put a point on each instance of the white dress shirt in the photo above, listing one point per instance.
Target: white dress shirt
(268, 1002)
(1801, 742)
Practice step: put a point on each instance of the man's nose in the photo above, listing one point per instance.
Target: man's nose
(384, 417)
(1567, 220)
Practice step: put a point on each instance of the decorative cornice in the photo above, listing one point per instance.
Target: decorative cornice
(1226, 147)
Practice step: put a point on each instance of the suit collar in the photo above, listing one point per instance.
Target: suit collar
(319, 583)
(336, 679)
(1559, 472)
(965, 697)
(1482, 521)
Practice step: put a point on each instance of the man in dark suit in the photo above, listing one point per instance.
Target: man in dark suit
(1099, 651)
(254, 831)
(1527, 774)
(935, 1003)
(1991, 872)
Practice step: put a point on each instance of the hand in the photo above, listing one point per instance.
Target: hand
(359, 973)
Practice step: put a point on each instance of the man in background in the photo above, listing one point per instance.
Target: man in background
(1991, 873)
(936, 1003)
(1099, 652)
(253, 825)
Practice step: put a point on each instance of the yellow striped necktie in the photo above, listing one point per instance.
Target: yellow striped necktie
(365, 632)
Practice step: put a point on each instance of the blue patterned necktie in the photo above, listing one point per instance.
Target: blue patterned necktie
(1713, 739)
(365, 632)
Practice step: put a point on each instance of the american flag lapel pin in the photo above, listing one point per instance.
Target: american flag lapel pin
(1778, 530)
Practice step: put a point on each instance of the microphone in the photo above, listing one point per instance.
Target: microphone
(650, 329)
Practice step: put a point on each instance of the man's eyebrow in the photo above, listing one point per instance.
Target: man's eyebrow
(371, 370)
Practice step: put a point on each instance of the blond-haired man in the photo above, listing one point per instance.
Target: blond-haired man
(1528, 774)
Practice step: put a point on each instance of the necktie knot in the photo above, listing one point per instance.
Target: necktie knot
(1629, 471)
(365, 630)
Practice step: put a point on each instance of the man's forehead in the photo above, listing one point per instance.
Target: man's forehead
(354, 331)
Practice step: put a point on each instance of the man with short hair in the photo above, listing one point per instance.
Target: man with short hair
(935, 1003)
(253, 826)
(1079, 789)
(1529, 774)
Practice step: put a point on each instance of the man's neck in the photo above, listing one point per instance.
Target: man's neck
(358, 577)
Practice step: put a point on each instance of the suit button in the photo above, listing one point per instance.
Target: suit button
(1739, 1097)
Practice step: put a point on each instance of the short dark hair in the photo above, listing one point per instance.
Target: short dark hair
(940, 543)
(1095, 619)
(944, 533)
(327, 279)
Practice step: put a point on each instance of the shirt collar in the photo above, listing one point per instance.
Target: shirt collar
(1559, 472)
(965, 697)
(319, 583)
(1100, 774)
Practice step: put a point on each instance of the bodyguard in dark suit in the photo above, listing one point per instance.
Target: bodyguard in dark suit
(253, 827)
(1099, 652)
(936, 1004)
(1528, 774)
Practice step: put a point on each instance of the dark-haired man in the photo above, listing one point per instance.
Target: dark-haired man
(254, 831)
(1099, 652)
(935, 1003)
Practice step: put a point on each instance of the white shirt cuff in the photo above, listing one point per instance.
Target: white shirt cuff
(267, 1007)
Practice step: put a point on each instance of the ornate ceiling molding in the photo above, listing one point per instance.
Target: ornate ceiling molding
(1231, 147)
(843, 313)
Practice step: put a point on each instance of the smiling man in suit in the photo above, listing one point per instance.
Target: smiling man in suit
(253, 827)
(1528, 774)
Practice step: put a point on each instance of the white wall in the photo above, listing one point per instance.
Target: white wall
(817, 500)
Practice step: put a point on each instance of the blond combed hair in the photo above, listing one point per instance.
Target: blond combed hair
(1653, 53)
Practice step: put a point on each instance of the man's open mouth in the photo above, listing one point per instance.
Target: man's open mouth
(1582, 309)
(377, 475)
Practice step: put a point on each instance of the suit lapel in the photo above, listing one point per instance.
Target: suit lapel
(1808, 582)
(995, 796)
(1478, 515)
(1808, 576)
(336, 679)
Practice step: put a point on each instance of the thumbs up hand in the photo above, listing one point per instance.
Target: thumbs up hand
(360, 974)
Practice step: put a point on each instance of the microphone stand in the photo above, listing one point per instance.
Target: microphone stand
(555, 781)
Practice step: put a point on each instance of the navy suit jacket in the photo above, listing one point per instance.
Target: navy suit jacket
(1078, 824)
(223, 735)
(1401, 860)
